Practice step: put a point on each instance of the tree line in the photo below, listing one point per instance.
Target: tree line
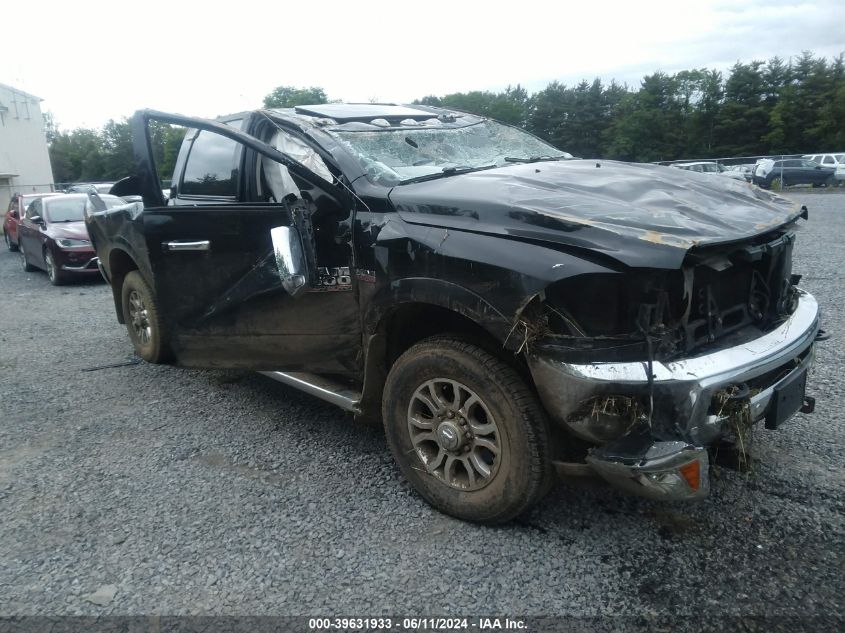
(794, 106)
(89, 155)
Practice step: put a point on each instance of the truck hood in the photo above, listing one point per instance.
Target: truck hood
(641, 215)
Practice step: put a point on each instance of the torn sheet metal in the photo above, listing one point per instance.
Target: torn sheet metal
(683, 388)
(641, 215)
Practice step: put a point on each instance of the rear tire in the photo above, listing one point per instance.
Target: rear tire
(27, 267)
(143, 319)
(466, 431)
(9, 244)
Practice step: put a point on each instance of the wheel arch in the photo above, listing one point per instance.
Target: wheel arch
(418, 309)
(120, 264)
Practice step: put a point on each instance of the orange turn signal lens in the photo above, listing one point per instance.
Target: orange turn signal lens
(692, 473)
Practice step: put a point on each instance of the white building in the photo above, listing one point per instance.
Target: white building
(24, 161)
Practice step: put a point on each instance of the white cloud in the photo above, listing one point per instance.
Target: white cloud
(92, 61)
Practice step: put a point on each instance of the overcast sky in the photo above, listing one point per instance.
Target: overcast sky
(92, 61)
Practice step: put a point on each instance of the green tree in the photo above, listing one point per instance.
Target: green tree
(575, 119)
(649, 126)
(51, 129)
(166, 141)
(743, 120)
(118, 154)
(785, 128)
(548, 112)
(829, 129)
(289, 97)
(509, 106)
(77, 155)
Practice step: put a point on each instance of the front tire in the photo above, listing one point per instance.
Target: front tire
(143, 319)
(467, 432)
(53, 273)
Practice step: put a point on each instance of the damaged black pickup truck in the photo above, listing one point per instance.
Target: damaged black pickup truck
(506, 310)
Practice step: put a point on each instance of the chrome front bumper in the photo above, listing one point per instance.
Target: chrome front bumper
(684, 389)
(90, 266)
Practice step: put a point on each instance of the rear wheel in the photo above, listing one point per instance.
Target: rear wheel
(9, 243)
(466, 431)
(24, 263)
(53, 273)
(143, 319)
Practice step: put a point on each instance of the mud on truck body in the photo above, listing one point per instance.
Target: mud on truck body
(507, 311)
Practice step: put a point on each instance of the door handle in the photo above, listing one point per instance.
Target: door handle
(201, 245)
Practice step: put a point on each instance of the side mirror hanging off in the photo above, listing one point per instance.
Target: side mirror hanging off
(290, 259)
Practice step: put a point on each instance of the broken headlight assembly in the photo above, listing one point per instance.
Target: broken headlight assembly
(719, 299)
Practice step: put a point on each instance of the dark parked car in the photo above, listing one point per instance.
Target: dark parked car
(505, 310)
(53, 236)
(17, 207)
(792, 171)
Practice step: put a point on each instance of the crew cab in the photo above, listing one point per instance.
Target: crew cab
(507, 311)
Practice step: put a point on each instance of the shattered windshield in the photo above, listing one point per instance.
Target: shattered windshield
(393, 155)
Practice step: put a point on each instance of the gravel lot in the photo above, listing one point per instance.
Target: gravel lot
(219, 492)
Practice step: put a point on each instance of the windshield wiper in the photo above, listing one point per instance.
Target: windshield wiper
(533, 159)
(447, 171)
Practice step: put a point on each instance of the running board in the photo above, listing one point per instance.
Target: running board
(323, 388)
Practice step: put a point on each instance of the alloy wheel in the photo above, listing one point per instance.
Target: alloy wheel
(454, 434)
(51, 266)
(139, 318)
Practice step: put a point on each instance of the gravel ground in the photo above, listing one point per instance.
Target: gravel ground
(212, 492)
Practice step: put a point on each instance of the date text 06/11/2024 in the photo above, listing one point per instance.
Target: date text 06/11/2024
(416, 624)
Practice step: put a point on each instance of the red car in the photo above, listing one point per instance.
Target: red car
(17, 207)
(52, 236)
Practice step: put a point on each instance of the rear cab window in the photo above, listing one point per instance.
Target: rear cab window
(212, 166)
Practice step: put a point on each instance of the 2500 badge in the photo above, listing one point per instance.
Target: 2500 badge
(332, 279)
